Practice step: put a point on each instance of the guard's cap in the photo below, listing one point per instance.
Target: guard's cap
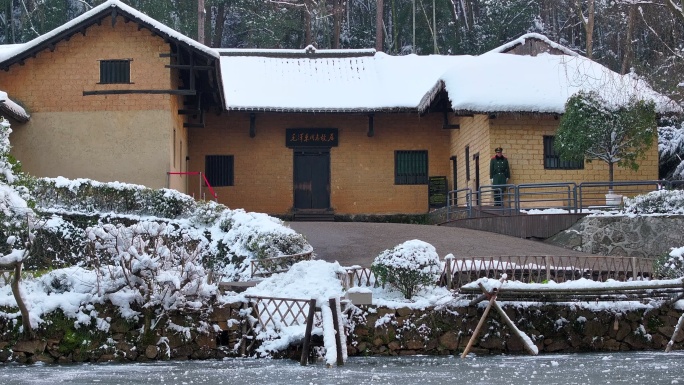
(498, 149)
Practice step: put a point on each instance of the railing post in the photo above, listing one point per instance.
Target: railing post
(350, 278)
(200, 186)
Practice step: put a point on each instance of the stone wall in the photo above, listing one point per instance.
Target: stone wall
(552, 328)
(373, 331)
(641, 236)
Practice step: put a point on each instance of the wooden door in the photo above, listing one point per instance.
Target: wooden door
(312, 179)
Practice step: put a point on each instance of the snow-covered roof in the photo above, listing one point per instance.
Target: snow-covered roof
(12, 109)
(327, 81)
(496, 82)
(533, 36)
(10, 54)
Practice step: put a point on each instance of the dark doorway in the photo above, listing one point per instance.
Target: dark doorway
(312, 179)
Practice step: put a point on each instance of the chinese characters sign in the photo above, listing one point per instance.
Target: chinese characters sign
(311, 137)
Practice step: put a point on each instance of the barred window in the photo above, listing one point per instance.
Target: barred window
(219, 170)
(115, 71)
(410, 167)
(553, 162)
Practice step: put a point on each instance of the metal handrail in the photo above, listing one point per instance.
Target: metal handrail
(457, 199)
(572, 197)
(202, 177)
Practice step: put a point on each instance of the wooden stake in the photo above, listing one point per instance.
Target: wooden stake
(336, 323)
(677, 330)
(532, 349)
(307, 333)
(479, 325)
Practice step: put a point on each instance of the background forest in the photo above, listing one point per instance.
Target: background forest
(646, 36)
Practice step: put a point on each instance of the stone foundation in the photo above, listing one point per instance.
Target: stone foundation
(641, 236)
(374, 331)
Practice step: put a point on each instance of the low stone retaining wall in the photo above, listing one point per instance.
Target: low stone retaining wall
(552, 328)
(640, 236)
(374, 331)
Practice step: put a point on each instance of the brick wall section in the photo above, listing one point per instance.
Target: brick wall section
(55, 81)
(76, 141)
(474, 133)
(522, 140)
(362, 168)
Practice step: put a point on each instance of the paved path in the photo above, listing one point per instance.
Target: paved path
(358, 243)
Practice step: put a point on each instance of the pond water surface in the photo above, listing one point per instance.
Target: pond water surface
(587, 368)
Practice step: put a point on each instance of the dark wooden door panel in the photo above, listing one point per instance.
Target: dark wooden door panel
(312, 179)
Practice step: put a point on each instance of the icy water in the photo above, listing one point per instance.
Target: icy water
(615, 368)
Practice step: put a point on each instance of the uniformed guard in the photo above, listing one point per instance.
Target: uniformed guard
(499, 174)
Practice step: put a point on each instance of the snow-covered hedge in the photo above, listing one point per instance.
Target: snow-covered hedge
(656, 202)
(85, 195)
(408, 266)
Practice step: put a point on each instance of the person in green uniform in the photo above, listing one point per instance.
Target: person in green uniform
(499, 173)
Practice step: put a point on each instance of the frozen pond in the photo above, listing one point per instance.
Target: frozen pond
(587, 368)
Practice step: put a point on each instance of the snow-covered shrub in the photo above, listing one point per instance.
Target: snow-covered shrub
(87, 195)
(143, 263)
(207, 213)
(408, 266)
(656, 202)
(168, 203)
(671, 151)
(670, 266)
(15, 212)
(247, 236)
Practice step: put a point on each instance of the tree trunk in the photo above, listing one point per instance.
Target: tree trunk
(220, 22)
(16, 291)
(308, 33)
(337, 23)
(588, 23)
(379, 25)
(629, 51)
(200, 21)
(611, 165)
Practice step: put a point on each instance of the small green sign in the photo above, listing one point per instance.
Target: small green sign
(437, 191)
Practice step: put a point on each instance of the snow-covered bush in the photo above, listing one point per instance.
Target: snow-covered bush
(656, 202)
(143, 264)
(670, 266)
(408, 266)
(671, 151)
(87, 195)
(247, 236)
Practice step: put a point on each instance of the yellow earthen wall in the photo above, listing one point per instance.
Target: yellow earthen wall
(522, 140)
(104, 137)
(362, 168)
(474, 133)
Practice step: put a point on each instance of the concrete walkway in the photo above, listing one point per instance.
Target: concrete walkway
(358, 243)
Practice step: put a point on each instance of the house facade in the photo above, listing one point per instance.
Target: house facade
(116, 96)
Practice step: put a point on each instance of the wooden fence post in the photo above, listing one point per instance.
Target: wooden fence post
(243, 340)
(449, 272)
(307, 334)
(336, 323)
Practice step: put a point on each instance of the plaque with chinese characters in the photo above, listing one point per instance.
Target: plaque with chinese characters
(311, 137)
